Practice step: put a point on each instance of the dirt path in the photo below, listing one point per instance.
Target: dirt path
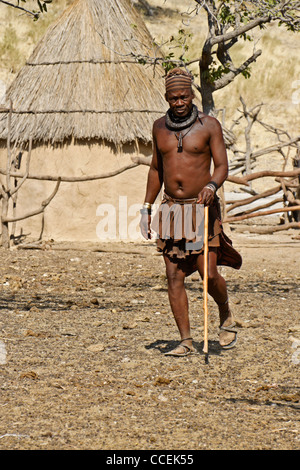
(82, 340)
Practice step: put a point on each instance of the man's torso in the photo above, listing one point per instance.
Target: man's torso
(184, 173)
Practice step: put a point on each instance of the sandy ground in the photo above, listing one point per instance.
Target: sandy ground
(83, 335)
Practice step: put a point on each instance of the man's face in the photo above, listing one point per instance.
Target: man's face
(180, 101)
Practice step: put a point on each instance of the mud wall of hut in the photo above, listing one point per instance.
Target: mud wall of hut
(104, 209)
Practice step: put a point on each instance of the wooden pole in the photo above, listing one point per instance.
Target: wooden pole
(205, 283)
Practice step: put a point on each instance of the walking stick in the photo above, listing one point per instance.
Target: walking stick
(205, 283)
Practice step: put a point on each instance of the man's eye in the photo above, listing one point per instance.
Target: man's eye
(182, 98)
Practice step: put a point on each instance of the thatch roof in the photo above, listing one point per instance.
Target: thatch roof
(81, 81)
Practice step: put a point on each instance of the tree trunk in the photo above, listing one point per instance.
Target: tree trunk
(207, 87)
(4, 225)
(208, 104)
(296, 214)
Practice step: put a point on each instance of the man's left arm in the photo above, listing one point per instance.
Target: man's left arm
(220, 161)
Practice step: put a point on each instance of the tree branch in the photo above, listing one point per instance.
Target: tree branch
(239, 31)
(32, 13)
(268, 229)
(25, 176)
(275, 148)
(37, 211)
(264, 173)
(74, 179)
(262, 214)
(244, 202)
(230, 76)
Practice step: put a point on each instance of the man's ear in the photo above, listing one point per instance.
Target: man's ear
(166, 97)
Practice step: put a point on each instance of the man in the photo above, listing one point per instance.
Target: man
(185, 143)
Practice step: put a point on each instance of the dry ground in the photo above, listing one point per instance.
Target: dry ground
(85, 331)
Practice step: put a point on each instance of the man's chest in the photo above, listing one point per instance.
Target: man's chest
(194, 141)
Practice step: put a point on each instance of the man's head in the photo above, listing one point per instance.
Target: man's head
(179, 93)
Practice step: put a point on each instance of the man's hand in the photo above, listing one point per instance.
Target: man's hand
(145, 225)
(206, 196)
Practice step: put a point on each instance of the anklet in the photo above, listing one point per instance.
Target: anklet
(223, 303)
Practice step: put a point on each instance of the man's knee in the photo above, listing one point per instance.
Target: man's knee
(213, 277)
(175, 278)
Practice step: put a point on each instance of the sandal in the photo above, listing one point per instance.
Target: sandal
(229, 329)
(187, 350)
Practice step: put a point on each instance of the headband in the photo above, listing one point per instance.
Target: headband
(176, 79)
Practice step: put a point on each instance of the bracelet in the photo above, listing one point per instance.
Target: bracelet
(146, 208)
(212, 185)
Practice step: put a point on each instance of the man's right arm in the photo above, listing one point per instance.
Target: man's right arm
(155, 179)
(154, 184)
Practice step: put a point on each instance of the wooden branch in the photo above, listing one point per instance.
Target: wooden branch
(82, 61)
(237, 180)
(275, 148)
(290, 198)
(239, 31)
(257, 208)
(72, 111)
(244, 202)
(264, 173)
(8, 161)
(25, 176)
(261, 214)
(35, 15)
(230, 76)
(142, 160)
(2, 191)
(71, 179)
(37, 211)
(240, 169)
(289, 184)
(244, 180)
(268, 229)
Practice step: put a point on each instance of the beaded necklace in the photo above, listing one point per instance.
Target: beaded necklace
(175, 123)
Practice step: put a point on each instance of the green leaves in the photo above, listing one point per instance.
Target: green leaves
(42, 4)
(180, 42)
(231, 13)
(215, 72)
(226, 14)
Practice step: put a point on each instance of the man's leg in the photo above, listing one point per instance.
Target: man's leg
(178, 302)
(218, 290)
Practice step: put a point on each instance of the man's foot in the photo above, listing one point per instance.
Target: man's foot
(228, 334)
(184, 348)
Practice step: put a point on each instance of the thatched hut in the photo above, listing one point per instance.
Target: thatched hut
(89, 106)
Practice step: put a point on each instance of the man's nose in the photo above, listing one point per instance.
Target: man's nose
(179, 103)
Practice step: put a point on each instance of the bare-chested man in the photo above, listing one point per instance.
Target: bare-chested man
(185, 142)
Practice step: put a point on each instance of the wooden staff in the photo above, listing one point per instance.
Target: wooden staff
(205, 283)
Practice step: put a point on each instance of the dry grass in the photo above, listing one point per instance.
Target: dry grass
(10, 53)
